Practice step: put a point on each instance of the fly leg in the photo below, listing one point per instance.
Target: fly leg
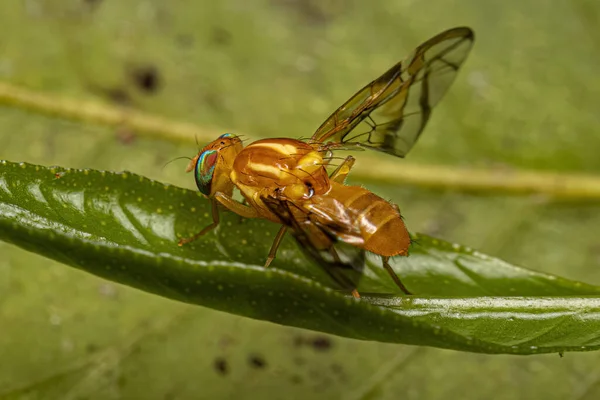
(389, 269)
(275, 245)
(397, 281)
(229, 203)
(215, 223)
(246, 211)
(341, 278)
(341, 172)
(240, 209)
(339, 175)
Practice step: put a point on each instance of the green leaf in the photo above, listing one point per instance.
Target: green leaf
(125, 228)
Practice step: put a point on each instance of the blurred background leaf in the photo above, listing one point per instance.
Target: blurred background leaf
(526, 98)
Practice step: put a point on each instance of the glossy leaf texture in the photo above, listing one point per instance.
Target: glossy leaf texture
(125, 228)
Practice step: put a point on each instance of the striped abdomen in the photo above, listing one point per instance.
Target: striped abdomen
(355, 211)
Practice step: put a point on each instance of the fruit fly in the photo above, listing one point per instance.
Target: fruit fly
(286, 180)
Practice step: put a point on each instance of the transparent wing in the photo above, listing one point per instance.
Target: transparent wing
(393, 110)
(343, 262)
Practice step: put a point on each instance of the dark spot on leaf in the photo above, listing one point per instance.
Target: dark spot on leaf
(115, 95)
(221, 36)
(321, 343)
(91, 348)
(296, 379)
(221, 366)
(257, 361)
(146, 78)
(118, 96)
(121, 381)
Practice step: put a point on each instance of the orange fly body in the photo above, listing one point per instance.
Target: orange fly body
(286, 180)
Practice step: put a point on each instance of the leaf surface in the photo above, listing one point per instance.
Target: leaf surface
(125, 228)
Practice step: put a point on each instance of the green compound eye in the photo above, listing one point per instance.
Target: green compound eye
(205, 169)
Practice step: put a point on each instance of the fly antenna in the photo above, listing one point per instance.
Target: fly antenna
(175, 159)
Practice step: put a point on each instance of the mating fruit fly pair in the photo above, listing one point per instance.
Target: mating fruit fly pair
(286, 180)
